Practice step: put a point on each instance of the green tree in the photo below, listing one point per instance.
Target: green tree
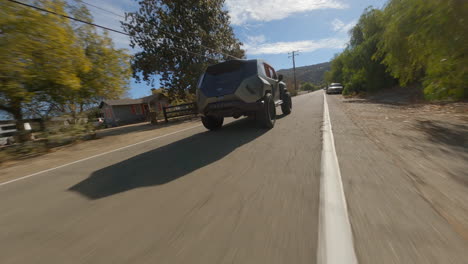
(170, 32)
(364, 71)
(414, 42)
(425, 41)
(357, 67)
(109, 73)
(39, 56)
(335, 74)
(51, 66)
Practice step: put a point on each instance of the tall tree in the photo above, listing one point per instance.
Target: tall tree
(39, 55)
(109, 73)
(357, 67)
(425, 41)
(170, 32)
(417, 42)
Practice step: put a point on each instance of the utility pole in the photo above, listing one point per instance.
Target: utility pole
(293, 55)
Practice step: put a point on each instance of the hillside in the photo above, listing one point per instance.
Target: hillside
(312, 73)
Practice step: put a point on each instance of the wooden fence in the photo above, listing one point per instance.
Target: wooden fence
(179, 110)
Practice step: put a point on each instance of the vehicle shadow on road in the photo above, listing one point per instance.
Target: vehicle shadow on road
(170, 162)
(139, 127)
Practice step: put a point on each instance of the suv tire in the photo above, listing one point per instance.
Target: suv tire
(267, 115)
(212, 122)
(286, 106)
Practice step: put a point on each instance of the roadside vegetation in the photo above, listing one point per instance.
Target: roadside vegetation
(409, 43)
(57, 70)
(309, 87)
(54, 67)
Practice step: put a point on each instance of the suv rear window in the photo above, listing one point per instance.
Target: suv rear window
(269, 71)
(224, 78)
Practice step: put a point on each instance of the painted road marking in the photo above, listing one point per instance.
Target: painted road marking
(335, 244)
(98, 155)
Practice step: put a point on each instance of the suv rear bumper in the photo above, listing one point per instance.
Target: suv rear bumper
(232, 108)
(334, 91)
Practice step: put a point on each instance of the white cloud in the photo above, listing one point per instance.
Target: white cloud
(303, 46)
(340, 26)
(255, 40)
(112, 21)
(337, 24)
(242, 11)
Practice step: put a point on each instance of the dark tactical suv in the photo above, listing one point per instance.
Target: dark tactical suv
(238, 88)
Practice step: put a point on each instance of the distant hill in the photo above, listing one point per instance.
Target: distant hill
(312, 73)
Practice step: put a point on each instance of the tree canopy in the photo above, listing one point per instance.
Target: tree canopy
(178, 40)
(39, 55)
(47, 61)
(408, 42)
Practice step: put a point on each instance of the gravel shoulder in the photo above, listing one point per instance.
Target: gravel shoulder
(428, 143)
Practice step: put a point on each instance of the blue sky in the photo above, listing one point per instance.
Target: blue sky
(269, 29)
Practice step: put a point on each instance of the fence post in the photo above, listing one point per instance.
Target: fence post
(41, 124)
(195, 110)
(165, 114)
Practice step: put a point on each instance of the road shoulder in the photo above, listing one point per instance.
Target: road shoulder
(391, 221)
(86, 149)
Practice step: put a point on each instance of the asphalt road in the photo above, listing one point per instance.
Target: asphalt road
(239, 195)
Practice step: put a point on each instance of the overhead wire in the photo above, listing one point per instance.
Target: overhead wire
(66, 16)
(165, 32)
(100, 8)
(107, 28)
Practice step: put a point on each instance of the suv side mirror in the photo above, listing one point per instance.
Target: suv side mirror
(280, 77)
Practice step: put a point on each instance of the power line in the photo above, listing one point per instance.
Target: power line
(99, 26)
(105, 10)
(165, 32)
(65, 16)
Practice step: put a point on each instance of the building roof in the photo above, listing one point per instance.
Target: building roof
(128, 101)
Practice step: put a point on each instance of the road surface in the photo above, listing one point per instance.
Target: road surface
(238, 195)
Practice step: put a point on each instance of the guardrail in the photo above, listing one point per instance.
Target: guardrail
(179, 110)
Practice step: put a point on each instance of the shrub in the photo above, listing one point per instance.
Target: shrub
(307, 86)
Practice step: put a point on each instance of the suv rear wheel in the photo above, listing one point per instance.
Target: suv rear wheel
(267, 115)
(286, 106)
(212, 122)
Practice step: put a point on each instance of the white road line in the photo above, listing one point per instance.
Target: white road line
(335, 242)
(95, 156)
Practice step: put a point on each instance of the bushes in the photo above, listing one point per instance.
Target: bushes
(307, 86)
(51, 138)
(63, 135)
(292, 91)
